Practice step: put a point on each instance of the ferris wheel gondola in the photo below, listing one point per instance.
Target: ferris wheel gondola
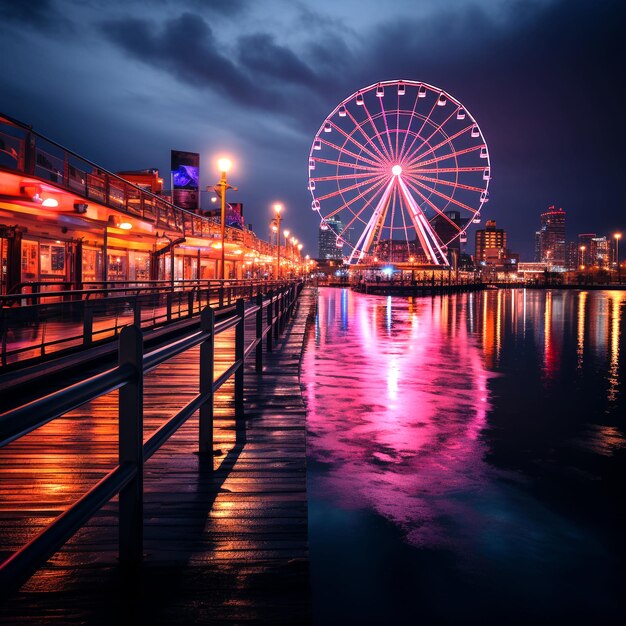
(402, 165)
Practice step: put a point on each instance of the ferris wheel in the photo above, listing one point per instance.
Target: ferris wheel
(398, 171)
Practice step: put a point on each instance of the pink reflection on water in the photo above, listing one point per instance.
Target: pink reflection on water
(396, 395)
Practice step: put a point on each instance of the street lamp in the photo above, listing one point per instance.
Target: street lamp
(277, 209)
(617, 237)
(221, 187)
(582, 257)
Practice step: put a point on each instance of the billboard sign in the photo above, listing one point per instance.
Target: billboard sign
(185, 179)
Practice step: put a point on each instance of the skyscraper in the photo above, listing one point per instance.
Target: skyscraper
(447, 226)
(490, 244)
(551, 237)
(327, 240)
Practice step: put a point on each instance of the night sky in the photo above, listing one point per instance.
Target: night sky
(123, 82)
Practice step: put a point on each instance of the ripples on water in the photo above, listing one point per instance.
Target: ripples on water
(466, 454)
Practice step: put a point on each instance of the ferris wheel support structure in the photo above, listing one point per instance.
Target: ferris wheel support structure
(399, 169)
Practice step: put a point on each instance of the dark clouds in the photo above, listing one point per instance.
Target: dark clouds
(545, 83)
(544, 79)
(185, 47)
(260, 53)
(38, 14)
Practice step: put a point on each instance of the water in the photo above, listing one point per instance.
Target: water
(467, 458)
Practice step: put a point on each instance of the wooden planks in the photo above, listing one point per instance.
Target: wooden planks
(223, 545)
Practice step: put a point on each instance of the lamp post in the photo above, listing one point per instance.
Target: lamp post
(582, 257)
(617, 237)
(224, 166)
(286, 235)
(277, 209)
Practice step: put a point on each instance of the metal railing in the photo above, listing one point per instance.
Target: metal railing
(79, 319)
(126, 479)
(26, 151)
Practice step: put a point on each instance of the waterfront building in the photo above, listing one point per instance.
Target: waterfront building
(594, 251)
(447, 227)
(600, 252)
(66, 221)
(490, 244)
(572, 256)
(327, 240)
(585, 248)
(537, 256)
(551, 237)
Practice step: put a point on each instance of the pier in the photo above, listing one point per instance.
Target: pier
(224, 531)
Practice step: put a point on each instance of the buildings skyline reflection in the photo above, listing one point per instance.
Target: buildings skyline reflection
(398, 391)
(395, 408)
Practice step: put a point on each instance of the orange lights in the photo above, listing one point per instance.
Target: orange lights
(33, 192)
(125, 225)
(224, 165)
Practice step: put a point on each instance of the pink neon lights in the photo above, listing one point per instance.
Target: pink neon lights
(416, 134)
(394, 441)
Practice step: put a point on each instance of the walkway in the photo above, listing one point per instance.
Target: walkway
(225, 546)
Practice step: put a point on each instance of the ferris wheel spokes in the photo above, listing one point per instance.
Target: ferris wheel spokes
(350, 137)
(419, 132)
(396, 171)
(443, 157)
(381, 157)
(416, 156)
(460, 204)
(343, 150)
(428, 237)
(384, 114)
(443, 181)
(355, 166)
(377, 133)
(364, 242)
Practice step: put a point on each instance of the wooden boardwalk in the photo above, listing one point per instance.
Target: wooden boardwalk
(223, 545)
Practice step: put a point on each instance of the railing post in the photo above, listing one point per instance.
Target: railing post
(130, 402)
(190, 299)
(270, 308)
(283, 299)
(207, 376)
(168, 304)
(221, 295)
(258, 365)
(87, 325)
(137, 312)
(276, 320)
(240, 340)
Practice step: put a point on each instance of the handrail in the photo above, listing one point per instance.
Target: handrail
(28, 417)
(111, 189)
(120, 307)
(127, 478)
(107, 287)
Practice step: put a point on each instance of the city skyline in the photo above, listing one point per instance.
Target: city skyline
(256, 81)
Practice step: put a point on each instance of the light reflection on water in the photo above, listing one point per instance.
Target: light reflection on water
(485, 432)
(395, 407)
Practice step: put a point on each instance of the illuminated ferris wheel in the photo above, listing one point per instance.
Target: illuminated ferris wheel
(398, 171)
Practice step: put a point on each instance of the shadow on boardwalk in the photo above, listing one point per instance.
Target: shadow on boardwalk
(222, 546)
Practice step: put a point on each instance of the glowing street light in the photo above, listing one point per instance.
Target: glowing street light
(223, 165)
(617, 237)
(277, 209)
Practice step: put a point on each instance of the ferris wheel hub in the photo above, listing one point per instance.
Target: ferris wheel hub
(400, 170)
